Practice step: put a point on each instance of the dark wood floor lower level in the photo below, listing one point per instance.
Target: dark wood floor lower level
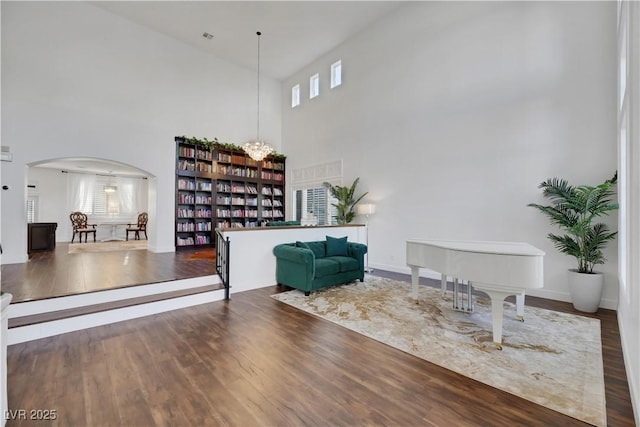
(256, 362)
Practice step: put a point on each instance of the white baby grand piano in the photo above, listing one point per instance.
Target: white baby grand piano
(499, 269)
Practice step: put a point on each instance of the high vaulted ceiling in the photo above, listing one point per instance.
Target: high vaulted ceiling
(294, 33)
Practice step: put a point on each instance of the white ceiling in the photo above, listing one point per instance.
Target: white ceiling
(294, 33)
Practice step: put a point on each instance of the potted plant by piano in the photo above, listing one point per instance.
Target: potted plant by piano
(575, 210)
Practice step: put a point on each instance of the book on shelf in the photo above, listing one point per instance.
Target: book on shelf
(187, 165)
(224, 157)
(237, 188)
(185, 213)
(186, 241)
(185, 198)
(204, 167)
(185, 227)
(204, 155)
(202, 239)
(203, 213)
(237, 159)
(223, 187)
(186, 184)
(223, 224)
(203, 200)
(186, 151)
(203, 185)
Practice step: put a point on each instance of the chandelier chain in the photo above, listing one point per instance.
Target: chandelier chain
(258, 95)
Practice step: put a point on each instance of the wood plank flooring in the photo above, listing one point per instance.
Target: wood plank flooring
(57, 273)
(256, 362)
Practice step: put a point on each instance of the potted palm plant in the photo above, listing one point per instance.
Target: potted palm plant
(574, 209)
(346, 201)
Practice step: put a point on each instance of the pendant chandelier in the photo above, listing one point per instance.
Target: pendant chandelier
(258, 149)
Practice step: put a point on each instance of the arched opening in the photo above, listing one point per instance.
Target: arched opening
(111, 193)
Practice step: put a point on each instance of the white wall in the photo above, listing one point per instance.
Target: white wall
(452, 113)
(78, 81)
(51, 191)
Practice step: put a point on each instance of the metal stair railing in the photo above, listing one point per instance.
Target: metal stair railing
(222, 261)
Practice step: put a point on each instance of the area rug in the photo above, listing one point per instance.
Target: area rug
(89, 247)
(553, 359)
(208, 254)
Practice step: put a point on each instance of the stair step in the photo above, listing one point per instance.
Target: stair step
(36, 319)
(106, 306)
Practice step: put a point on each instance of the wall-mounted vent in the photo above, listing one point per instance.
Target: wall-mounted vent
(207, 36)
(5, 154)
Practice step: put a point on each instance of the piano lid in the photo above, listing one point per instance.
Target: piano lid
(502, 248)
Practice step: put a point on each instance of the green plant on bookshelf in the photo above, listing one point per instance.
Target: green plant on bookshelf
(212, 144)
(346, 200)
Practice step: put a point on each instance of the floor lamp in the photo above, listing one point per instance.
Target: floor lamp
(367, 209)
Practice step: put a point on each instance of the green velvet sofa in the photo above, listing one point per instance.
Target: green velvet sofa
(308, 266)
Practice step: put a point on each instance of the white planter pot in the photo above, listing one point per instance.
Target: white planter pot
(586, 290)
(4, 313)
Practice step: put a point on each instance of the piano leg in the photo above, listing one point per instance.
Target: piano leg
(496, 315)
(415, 280)
(520, 306)
(443, 283)
(456, 306)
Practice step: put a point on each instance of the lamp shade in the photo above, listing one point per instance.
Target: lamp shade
(366, 209)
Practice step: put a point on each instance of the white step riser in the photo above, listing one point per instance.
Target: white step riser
(81, 300)
(56, 327)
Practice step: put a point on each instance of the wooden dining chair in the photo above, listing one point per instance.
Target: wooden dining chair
(141, 225)
(79, 222)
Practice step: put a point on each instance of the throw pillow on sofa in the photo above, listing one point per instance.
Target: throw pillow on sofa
(300, 244)
(337, 246)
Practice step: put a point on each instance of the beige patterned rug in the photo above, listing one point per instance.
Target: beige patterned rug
(131, 245)
(552, 358)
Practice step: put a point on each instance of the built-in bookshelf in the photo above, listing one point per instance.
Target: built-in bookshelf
(223, 187)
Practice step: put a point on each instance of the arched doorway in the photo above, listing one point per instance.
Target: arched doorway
(106, 190)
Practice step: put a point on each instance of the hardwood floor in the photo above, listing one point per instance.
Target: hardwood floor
(58, 273)
(256, 362)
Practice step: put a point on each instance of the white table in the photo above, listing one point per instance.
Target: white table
(113, 236)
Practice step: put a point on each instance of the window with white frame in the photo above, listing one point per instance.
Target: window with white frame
(336, 74)
(32, 209)
(314, 86)
(315, 200)
(87, 194)
(295, 96)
